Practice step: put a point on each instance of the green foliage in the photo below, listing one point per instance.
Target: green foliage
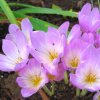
(8, 12)
(38, 24)
(55, 7)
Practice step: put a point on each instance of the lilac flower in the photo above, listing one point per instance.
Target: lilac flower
(75, 33)
(48, 48)
(89, 20)
(31, 78)
(15, 53)
(60, 73)
(87, 75)
(26, 29)
(75, 53)
(63, 29)
(91, 39)
(97, 40)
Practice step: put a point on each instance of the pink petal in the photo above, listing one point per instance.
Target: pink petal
(10, 49)
(86, 9)
(6, 66)
(19, 66)
(26, 25)
(88, 37)
(10, 37)
(36, 38)
(95, 14)
(64, 28)
(74, 33)
(13, 28)
(60, 71)
(73, 80)
(21, 82)
(21, 44)
(27, 92)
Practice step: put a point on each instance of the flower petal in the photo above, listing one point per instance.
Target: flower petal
(64, 28)
(26, 26)
(10, 49)
(86, 9)
(27, 92)
(74, 33)
(21, 44)
(13, 28)
(73, 80)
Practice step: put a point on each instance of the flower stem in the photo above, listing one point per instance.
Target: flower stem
(50, 93)
(47, 90)
(99, 4)
(52, 86)
(66, 78)
(77, 92)
(43, 95)
(6, 9)
(83, 92)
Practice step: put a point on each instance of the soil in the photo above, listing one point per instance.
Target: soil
(9, 90)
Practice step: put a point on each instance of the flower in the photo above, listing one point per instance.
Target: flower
(15, 53)
(48, 48)
(89, 20)
(74, 53)
(87, 75)
(63, 29)
(91, 39)
(60, 73)
(97, 40)
(26, 29)
(31, 78)
(75, 33)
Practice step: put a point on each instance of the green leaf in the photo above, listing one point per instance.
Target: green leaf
(40, 10)
(56, 7)
(20, 5)
(37, 23)
(40, 24)
(6, 9)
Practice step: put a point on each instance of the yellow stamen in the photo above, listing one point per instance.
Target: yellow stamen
(35, 80)
(90, 78)
(53, 55)
(74, 62)
(18, 60)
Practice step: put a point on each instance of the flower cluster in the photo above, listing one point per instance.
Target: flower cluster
(40, 57)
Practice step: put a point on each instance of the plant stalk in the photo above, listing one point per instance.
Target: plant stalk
(77, 92)
(48, 91)
(53, 89)
(6, 9)
(99, 4)
(43, 95)
(83, 92)
(66, 78)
